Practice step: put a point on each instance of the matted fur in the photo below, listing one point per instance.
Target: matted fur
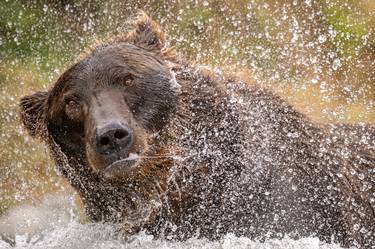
(229, 158)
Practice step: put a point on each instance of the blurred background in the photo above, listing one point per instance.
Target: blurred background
(320, 55)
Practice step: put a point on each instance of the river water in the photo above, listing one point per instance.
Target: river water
(55, 224)
(74, 235)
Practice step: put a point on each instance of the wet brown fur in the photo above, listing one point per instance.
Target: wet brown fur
(210, 195)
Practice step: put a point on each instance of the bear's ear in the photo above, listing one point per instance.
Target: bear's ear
(32, 108)
(146, 33)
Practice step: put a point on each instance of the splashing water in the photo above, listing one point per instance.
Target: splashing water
(52, 227)
(76, 236)
(317, 54)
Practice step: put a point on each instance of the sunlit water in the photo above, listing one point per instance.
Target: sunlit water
(75, 235)
(53, 224)
(87, 236)
(325, 46)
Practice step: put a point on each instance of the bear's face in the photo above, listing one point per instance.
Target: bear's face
(103, 109)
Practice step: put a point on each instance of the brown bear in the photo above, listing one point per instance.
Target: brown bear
(156, 143)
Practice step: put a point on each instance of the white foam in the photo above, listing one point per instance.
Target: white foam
(53, 225)
(75, 236)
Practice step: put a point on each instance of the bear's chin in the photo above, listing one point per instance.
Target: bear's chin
(121, 168)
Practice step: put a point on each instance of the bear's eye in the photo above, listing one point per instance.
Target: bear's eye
(73, 109)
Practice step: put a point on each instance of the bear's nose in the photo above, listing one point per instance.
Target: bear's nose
(113, 138)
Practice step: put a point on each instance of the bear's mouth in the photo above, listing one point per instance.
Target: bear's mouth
(121, 166)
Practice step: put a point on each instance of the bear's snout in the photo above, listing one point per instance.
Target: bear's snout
(113, 138)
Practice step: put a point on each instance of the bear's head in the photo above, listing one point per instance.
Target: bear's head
(103, 109)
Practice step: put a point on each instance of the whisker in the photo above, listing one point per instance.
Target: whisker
(176, 157)
(161, 156)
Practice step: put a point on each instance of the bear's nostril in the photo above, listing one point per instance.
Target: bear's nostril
(120, 134)
(104, 141)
